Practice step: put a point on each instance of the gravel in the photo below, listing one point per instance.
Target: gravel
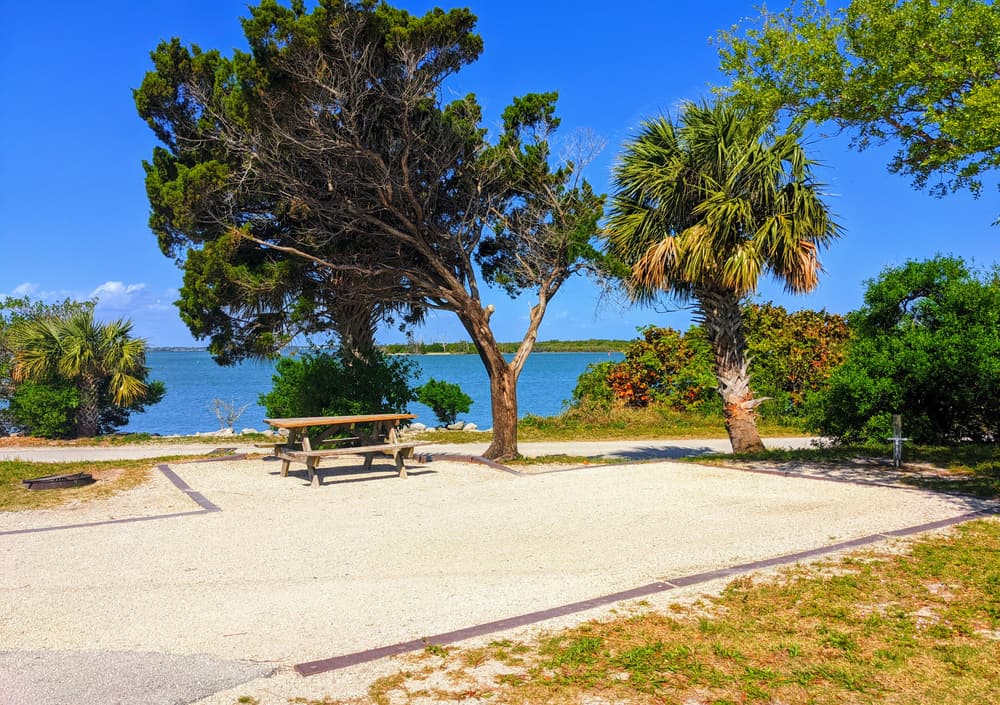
(117, 677)
(286, 573)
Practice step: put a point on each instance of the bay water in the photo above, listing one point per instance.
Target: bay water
(193, 381)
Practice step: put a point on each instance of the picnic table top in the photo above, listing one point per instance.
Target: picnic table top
(304, 421)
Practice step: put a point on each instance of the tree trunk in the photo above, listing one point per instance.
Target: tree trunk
(503, 382)
(503, 398)
(88, 414)
(722, 316)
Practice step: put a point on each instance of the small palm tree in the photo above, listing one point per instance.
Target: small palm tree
(86, 353)
(703, 207)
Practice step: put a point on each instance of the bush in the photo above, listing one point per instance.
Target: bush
(445, 399)
(927, 346)
(592, 388)
(792, 354)
(320, 383)
(48, 408)
(45, 409)
(664, 368)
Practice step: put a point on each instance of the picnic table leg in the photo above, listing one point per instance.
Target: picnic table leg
(293, 435)
(400, 466)
(314, 478)
(368, 461)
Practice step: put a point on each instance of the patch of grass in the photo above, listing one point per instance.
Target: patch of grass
(917, 627)
(634, 424)
(436, 649)
(113, 476)
(453, 436)
(379, 690)
(612, 425)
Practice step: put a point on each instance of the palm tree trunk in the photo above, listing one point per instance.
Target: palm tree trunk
(88, 414)
(722, 317)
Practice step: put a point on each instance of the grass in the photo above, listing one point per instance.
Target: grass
(971, 468)
(114, 476)
(613, 425)
(921, 627)
(634, 424)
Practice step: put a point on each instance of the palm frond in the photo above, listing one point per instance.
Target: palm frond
(735, 201)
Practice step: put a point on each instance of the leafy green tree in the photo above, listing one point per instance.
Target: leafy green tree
(446, 400)
(921, 74)
(321, 172)
(96, 358)
(325, 383)
(927, 346)
(703, 207)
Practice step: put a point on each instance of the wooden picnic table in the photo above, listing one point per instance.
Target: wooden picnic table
(382, 438)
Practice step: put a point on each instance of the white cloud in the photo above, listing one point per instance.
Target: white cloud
(25, 289)
(114, 294)
(36, 293)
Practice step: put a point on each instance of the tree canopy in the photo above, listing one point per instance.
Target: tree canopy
(921, 75)
(927, 346)
(319, 183)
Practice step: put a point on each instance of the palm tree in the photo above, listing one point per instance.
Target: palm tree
(88, 354)
(702, 208)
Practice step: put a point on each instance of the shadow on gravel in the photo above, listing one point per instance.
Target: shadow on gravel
(661, 452)
(329, 476)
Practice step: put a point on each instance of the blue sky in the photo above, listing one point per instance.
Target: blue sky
(71, 146)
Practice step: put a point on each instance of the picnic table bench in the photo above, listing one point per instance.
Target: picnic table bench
(382, 439)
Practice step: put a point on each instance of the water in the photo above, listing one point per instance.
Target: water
(193, 380)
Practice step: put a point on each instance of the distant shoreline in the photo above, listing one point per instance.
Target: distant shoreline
(463, 348)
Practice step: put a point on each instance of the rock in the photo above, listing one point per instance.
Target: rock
(224, 432)
(418, 427)
(456, 426)
(471, 427)
(247, 431)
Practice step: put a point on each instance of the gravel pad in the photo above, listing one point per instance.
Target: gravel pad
(117, 677)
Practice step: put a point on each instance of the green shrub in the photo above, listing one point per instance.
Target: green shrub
(592, 387)
(45, 409)
(792, 354)
(927, 346)
(445, 399)
(48, 408)
(321, 383)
